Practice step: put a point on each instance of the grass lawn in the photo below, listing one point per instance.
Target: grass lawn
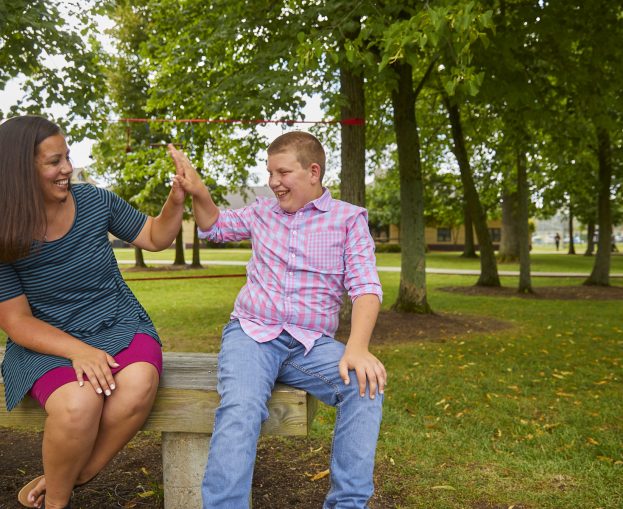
(530, 416)
(540, 262)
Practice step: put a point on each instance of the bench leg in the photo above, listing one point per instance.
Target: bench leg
(184, 457)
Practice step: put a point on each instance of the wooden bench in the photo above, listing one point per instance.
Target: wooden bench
(184, 414)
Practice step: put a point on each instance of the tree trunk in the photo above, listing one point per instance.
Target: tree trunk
(571, 250)
(196, 264)
(469, 249)
(353, 137)
(488, 265)
(601, 267)
(412, 290)
(509, 243)
(523, 227)
(590, 240)
(179, 249)
(139, 259)
(353, 152)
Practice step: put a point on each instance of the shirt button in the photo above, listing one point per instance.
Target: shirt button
(294, 232)
(293, 255)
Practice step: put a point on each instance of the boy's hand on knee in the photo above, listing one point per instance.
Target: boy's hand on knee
(370, 371)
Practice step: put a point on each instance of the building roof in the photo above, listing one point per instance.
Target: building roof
(247, 196)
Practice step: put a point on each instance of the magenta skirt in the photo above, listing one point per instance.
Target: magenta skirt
(143, 348)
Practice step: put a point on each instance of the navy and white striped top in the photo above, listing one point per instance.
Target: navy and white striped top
(74, 284)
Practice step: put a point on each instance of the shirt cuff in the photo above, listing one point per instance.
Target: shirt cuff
(366, 290)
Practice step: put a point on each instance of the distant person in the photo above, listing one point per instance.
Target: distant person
(79, 342)
(557, 240)
(613, 243)
(307, 250)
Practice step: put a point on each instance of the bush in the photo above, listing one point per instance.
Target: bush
(386, 247)
(243, 244)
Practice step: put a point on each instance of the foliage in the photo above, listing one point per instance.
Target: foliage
(51, 47)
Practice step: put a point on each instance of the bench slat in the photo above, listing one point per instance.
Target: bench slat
(187, 400)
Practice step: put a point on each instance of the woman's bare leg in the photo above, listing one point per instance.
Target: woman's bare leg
(69, 435)
(123, 414)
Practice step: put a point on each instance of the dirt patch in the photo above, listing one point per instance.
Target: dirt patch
(488, 505)
(579, 292)
(393, 327)
(288, 474)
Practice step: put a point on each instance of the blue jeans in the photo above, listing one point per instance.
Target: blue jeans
(247, 372)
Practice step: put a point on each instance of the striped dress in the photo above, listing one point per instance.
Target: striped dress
(74, 284)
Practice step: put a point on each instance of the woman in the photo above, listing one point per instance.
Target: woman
(79, 341)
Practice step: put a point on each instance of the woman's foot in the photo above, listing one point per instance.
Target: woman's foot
(32, 494)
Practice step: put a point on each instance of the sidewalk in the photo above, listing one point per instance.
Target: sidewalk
(429, 270)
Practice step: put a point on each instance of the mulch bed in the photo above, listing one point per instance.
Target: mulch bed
(579, 292)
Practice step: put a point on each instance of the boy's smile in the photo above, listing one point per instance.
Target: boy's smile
(293, 185)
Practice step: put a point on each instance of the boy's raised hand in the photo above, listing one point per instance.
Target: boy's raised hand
(186, 176)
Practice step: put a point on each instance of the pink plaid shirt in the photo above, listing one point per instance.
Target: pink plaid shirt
(301, 265)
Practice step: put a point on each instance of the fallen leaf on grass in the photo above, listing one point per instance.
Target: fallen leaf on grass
(320, 475)
(444, 487)
(606, 459)
(592, 441)
(146, 494)
(547, 427)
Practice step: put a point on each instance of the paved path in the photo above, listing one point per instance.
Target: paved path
(430, 270)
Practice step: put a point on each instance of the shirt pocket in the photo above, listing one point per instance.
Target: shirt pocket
(324, 252)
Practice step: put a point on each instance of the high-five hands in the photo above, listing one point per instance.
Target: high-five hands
(186, 178)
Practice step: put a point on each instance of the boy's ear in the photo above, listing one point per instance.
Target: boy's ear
(314, 169)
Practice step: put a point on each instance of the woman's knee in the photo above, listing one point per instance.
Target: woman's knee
(136, 386)
(75, 408)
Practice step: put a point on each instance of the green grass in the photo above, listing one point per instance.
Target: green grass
(169, 254)
(540, 262)
(529, 416)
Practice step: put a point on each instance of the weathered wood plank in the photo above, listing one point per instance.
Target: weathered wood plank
(187, 400)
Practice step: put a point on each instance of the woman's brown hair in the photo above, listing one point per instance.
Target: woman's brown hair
(22, 211)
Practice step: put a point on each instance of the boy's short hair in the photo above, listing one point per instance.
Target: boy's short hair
(307, 147)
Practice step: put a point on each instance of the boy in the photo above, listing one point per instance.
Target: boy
(307, 250)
